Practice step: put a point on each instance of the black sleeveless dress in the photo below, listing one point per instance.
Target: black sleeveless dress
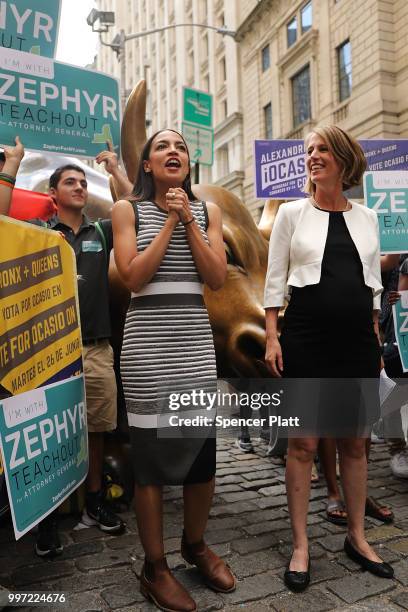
(329, 347)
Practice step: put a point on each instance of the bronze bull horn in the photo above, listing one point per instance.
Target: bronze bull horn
(134, 130)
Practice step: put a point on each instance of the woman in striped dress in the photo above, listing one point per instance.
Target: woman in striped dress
(167, 245)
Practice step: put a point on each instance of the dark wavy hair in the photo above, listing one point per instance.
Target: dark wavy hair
(56, 175)
(144, 187)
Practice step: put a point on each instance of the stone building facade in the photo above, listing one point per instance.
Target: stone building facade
(295, 64)
(330, 61)
(185, 56)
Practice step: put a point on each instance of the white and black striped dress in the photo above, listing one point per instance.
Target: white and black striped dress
(167, 347)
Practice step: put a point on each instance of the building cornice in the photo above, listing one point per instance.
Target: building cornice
(307, 41)
(234, 120)
(253, 16)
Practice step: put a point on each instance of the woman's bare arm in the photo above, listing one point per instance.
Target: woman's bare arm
(13, 155)
(273, 354)
(210, 259)
(137, 269)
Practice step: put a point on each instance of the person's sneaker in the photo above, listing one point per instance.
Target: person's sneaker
(399, 464)
(244, 445)
(377, 432)
(97, 512)
(48, 544)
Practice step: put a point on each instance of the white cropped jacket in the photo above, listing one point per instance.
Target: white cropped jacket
(297, 245)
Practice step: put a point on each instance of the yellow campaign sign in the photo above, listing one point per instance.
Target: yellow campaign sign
(39, 320)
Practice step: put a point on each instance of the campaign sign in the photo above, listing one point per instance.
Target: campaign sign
(30, 25)
(56, 107)
(43, 433)
(400, 314)
(44, 445)
(280, 170)
(387, 194)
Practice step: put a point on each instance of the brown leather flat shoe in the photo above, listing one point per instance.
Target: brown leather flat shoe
(158, 584)
(216, 572)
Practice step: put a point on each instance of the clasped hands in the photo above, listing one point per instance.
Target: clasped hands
(178, 205)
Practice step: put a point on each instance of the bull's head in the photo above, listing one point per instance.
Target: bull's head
(236, 311)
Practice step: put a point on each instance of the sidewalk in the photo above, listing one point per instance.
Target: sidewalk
(249, 526)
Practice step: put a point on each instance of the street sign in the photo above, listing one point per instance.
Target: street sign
(30, 25)
(387, 194)
(197, 107)
(200, 143)
(56, 107)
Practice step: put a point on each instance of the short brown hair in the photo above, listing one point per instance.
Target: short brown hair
(57, 174)
(347, 152)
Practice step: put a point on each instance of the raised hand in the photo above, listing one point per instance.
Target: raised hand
(177, 201)
(13, 156)
(110, 159)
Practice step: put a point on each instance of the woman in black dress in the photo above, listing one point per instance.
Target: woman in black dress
(324, 255)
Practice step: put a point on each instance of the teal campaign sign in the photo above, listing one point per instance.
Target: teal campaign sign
(30, 25)
(56, 107)
(43, 435)
(400, 314)
(387, 194)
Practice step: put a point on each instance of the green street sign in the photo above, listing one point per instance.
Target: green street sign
(30, 25)
(200, 143)
(67, 110)
(197, 107)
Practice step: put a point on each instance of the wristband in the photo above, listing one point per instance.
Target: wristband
(7, 178)
(188, 222)
(6, 183)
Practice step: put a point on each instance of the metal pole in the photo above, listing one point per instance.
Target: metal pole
(196, 173)
(122, 60)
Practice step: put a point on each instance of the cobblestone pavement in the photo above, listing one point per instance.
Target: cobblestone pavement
(249, 527)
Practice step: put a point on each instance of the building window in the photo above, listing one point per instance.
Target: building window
(225, 109)
(266, 59)
(223, 161)
(292, 31)
(223, 70)
(268, 120)
(306, 17)
(204, 47)
(344, 64)
(190, 64)
(301, 96)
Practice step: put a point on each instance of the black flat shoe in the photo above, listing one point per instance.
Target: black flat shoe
(383, 569)
(297, 581)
